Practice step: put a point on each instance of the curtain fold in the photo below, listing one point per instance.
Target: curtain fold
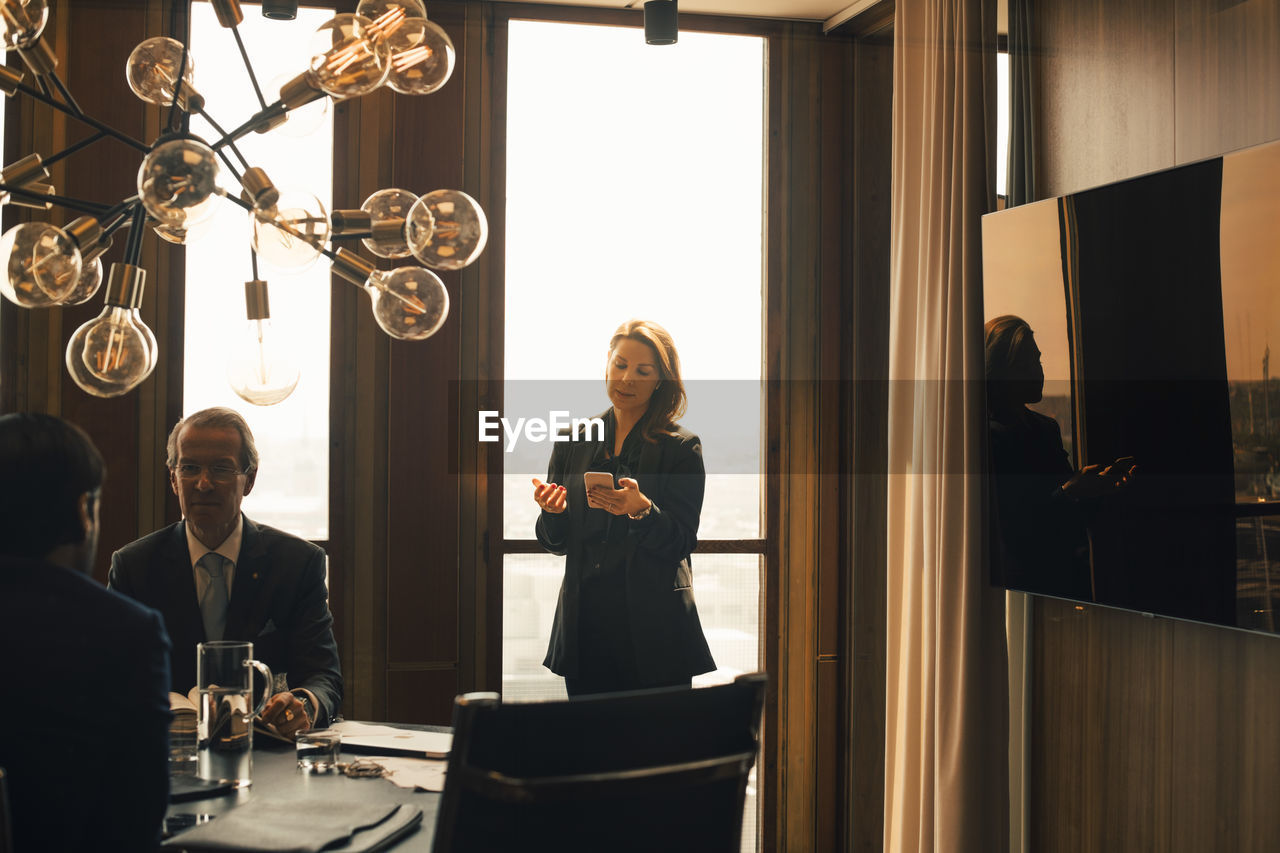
(1023, 98)
(946, 727)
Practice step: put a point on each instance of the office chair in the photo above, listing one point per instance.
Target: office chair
(654, 770)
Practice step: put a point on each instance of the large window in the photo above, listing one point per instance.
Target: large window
(293, 436)
(635, 190)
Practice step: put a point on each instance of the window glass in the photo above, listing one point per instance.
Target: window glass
(634, 191)
(293, 436)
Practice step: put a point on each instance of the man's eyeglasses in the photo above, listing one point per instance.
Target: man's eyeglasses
(216, 473)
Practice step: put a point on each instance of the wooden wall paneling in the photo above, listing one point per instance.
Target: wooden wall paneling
(358, 428)
(422, 567)
(1107, 74)
(1101, 729)
(808, 437)
(482, 308)
(862, 803)
(834, 57)
(97, 41)
(1228, 59)
(1225, 738)
(1208, 692)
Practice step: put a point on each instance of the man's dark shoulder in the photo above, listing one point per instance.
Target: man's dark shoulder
(141, 549)
(275, 538)
(35, 586)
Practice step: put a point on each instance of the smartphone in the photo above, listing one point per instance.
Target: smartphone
(597, 478)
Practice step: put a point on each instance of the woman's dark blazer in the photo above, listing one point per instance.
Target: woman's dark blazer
(663, 618)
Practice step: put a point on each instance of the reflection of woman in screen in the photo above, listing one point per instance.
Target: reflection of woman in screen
(626, 617)
(1039, 542)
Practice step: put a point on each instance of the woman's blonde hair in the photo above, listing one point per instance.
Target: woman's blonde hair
(668, 401)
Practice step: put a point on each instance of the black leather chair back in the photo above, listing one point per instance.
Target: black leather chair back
(656, 770)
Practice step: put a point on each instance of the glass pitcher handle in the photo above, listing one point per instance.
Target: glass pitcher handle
(267, 681)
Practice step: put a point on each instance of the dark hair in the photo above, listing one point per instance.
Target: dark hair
(668, 401)
(217, 417)
(1005, 336)
(46, 464)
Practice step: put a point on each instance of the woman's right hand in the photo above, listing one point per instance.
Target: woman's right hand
(550, 497)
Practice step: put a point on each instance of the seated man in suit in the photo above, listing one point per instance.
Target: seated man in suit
(216, 575)
(84, 724)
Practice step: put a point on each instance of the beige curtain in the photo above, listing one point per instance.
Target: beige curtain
(946, 725)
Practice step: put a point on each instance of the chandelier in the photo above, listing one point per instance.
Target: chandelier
(385, 42)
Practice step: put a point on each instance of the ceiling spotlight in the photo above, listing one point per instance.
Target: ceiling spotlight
(660, 26)
(280, 10)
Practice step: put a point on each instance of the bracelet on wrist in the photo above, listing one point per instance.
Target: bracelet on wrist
(644, 513)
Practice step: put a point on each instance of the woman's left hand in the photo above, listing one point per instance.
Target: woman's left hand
(628, 500)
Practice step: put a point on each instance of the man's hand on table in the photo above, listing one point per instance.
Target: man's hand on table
(285, 713)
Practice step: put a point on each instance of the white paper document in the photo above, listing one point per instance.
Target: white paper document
(372, 739)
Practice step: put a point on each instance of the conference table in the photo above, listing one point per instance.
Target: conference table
(276, 775)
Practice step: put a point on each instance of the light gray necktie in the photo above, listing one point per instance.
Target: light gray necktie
(213, 607)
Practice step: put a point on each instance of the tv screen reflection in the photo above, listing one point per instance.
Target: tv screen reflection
(1133, 425)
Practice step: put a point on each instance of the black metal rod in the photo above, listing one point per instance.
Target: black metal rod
(94, 123)
(134, 249)
(71, 149)
(120, 208)
(44, 87)
(177, 89)
(243, 130)
(235, 198)
(217, 127)
(113, 225)
(66, 94)
(80, 204)
(248, 66)
(253, 260)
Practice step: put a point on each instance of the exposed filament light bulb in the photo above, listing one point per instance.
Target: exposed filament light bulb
(260, 370)
(113, 353)
(409, 303)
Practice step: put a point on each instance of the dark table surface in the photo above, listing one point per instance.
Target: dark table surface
(276, 775)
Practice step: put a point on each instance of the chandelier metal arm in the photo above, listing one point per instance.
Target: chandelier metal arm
(82, 205)
(66, 94)
(218, 128)
(71, 149)
(119, 210)
(133, 250)
(89, 120)
(248, 66)
(243, 130)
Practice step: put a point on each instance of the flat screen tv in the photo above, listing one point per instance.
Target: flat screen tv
(1152, 303)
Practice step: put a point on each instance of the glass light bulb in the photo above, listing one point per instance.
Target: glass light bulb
(347, 60)
(42, 265)
(182, 235)
(152, 71)
(111, 354)
(178, 182)
(452, 236)
(422, 57)
(260, 369)
(387, 206)
(375, 9)
(290, 234)
(87, 285)
(302, 121)
(409, 303)
(22, 22)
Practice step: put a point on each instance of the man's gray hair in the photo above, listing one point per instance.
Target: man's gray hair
(218, 417)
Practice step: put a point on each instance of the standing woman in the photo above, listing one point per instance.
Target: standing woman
(626, 618)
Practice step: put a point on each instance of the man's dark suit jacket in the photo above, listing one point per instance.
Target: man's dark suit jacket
(84, 723)
(278, 602)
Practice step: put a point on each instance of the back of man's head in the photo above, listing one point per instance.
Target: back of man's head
(46, 466)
